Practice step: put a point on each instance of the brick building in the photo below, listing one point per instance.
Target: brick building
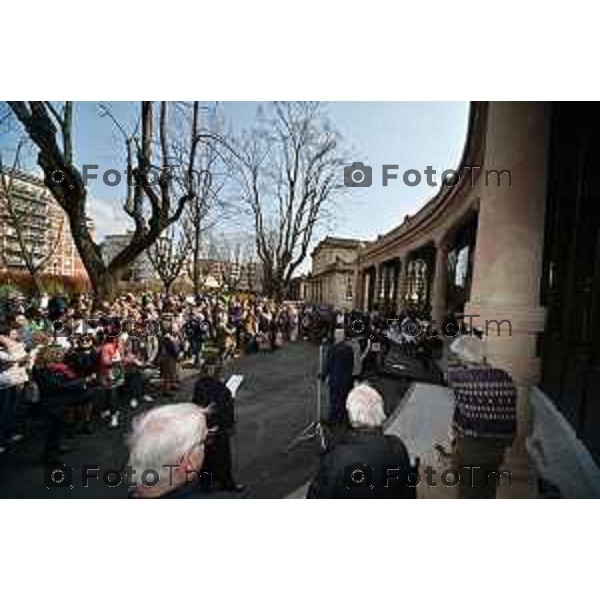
(43, 226)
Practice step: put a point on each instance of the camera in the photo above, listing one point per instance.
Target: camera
(358, 325)
(58, 476)
(358, 475)
(358, 175)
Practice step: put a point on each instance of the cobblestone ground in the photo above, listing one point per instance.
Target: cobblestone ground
(276, 401)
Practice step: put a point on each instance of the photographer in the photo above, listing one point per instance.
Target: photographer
(365, 463)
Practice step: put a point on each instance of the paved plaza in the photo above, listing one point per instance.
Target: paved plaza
(275, 402)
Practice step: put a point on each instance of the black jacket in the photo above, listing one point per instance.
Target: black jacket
(364, 464)
(210, 391)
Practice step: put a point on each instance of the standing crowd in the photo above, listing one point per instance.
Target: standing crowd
(77, 365)
(81, 364)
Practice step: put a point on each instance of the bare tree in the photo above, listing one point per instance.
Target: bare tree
(159, 190)
(168, 255)
(290, 171)
(233, 252)
(209, 207)
(37, 237)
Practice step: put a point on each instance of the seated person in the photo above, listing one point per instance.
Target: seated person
(365, 463)
(484, 420)
(170, 440)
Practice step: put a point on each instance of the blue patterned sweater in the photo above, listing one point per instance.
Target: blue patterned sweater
(485, 402)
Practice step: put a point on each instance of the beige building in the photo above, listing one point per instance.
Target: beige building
(518, 243)
(140, 270)
(236, 275)
(333, 277)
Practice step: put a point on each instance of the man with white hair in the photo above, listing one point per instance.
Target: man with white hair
(484, 420)
(166, 453)
(365, 463)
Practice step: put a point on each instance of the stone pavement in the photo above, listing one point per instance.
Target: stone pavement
(275, 402)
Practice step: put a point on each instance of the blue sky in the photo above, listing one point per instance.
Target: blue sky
(412, 135)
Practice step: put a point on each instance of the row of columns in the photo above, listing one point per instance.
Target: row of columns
(507, 264)
(372, 283)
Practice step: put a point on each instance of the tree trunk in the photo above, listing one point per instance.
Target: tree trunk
(37, 281)
(273, 287)
(106, 285)
(196, 271)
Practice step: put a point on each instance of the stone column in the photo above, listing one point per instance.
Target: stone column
(367, 283)
(439, 306)
(358, 288)
(508, 260)
(402, 284)
(395, 283)
(378, 285)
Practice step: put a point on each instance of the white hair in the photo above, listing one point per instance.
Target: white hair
(469, 349)
(365, 407)
(161, 436)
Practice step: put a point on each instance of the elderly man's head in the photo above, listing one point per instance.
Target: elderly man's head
(365, 407)
(170, 441)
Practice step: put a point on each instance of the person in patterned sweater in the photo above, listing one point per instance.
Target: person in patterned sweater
(484, 419)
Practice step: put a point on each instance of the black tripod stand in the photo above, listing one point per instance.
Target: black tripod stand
(315, 428)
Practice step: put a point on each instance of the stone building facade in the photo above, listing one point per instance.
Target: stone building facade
(333, 277)
(515, 241)
(141, 269)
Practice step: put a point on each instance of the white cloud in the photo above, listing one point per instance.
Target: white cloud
(108, 217)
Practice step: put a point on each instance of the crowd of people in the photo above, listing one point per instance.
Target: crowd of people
(83, 364)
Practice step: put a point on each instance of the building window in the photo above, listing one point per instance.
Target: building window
(349, 288)
(461, 268)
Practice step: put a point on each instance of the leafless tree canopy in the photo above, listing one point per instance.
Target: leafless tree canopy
(289, 171)
(161, 162)
(169, 254)
(234, 252)
(209, 207)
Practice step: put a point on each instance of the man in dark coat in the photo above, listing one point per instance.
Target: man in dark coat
(213, 395)
(338, 367)
(194, 331)
(365, 463)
